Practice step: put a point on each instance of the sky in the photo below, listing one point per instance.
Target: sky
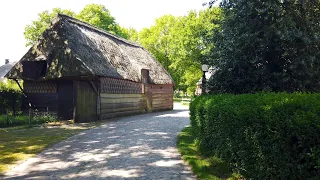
(16, 14)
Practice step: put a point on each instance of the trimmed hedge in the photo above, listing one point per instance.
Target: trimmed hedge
(10, 100)
(262, 136)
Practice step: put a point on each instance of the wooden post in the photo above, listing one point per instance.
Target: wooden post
(13, 103)
(145, 80)
(99, 105)
(7, 118)
(75, 94)
(30, 116)
(148, 93)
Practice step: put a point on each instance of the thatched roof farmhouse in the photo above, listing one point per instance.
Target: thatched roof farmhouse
(76, 65)
(4, 69)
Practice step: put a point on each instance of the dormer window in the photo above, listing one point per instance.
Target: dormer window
(34, 69)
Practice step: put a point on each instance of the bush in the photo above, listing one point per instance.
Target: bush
(37, 118)
(10, 99)
(262, 136)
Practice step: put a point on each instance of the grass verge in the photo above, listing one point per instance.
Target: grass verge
(177, 99)
(17, 144)
(211, 168)
(23, 120)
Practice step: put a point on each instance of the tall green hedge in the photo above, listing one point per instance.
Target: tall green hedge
(262, 136)
(10, 99)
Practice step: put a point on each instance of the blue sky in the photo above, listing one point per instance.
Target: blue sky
(15, 15)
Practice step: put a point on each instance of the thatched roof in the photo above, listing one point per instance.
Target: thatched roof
(73, 48)
(4, 69)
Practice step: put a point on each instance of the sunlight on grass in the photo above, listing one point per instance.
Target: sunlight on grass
(20, 143)
(212, 168)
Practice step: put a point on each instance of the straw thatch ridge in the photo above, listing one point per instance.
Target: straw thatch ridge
(73, 48)
(98, 30)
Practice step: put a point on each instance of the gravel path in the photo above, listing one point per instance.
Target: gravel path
(138, 147)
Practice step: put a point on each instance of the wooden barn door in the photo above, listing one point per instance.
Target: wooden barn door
(65, 99)
(85, 102)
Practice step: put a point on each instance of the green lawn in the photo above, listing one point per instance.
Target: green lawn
(185, 99)
(20, 143)
(204, 167)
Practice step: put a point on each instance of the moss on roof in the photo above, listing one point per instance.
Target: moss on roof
(73, 48)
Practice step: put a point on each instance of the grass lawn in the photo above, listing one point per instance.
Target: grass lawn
(204, 167)
(185, 103)
(182, 101)
(20, 143)
(177, 99)
(185, 99)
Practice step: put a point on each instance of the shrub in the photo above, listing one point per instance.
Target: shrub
(10, 98)
(262, 136)
(38, 118)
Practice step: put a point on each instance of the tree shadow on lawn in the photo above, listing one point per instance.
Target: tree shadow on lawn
(20, 143)
(137, 147)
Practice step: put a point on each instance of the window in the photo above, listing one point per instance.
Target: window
(34, 69)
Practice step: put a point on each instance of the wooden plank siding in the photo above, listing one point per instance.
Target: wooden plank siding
(86, 102)
(115, 105)
(41, 101)
(120, 97)
(98, 99)
(160, 96)
(43, 87)
(120, 86)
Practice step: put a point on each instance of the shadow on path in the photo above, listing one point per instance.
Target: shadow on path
(137, 147)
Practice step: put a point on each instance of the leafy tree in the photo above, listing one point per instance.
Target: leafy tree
(179, 44)
(94, 14)
(267, 45)
(191, 45)
(34, 31)
(97, 15)
(130, 33)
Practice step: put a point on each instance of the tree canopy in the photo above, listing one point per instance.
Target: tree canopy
(34, 30)
(95, 14)
(179, 44)
(267, 45)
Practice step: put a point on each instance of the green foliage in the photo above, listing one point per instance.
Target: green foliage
(210, 168)
(11, 120)
(10, 107)
(178, 43)
(34, 31)
(10, 84)
(93, 14)
(133, 34)
(17, 144)
(267, 45)
(97, 15)
(263, 136)
(10, 97)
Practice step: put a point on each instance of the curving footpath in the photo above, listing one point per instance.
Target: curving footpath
(137, 147)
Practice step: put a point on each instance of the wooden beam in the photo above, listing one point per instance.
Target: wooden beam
(117, 96)
(124, 109)
(20, 87)
(120, 100)
(94, 87)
